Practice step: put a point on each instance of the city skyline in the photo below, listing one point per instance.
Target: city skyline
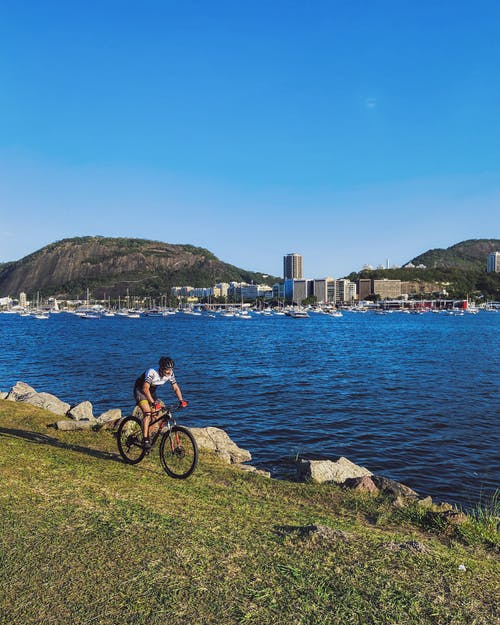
(375, 138)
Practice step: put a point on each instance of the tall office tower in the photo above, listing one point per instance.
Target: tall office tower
(292, 267)
(493, 262)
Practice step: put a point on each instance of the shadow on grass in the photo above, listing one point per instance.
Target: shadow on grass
(43, 439)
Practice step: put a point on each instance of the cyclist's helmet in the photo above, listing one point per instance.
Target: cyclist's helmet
(166, 363)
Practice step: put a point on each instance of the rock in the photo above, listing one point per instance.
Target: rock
(71, 425)
(48, 402)
(20, 392)
(215, 439)
(251, 469)
(109, 420)
(327, 471)
(454, 517)
(3, 395)
(24, 393)
(110, 415)
(445, 517)
(109, 425)
(395, 490)
(81, 412)
(426, 502)
(442, 507)
(362, 485)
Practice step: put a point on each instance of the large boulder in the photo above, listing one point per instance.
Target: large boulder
(70, 425)
(217, 440)
(49, 402)
(24, 393)
(115, 414)
(109, 420)
(81, 412)
(321, 471)
(21, 392)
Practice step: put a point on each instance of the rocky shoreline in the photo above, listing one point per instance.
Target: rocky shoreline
(341, 472)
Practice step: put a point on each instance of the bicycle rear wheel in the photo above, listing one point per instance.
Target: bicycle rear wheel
(178, 452)
(130, 438)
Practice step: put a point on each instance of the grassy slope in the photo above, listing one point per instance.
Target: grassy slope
(87, 539)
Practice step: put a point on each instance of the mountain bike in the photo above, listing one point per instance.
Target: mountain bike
(178, 448)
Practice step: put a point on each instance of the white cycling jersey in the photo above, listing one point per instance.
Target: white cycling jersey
(153, 378)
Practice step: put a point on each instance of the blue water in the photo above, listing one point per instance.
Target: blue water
(411, 397)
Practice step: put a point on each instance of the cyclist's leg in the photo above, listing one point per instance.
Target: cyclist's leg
(142, 401)
(146, 416)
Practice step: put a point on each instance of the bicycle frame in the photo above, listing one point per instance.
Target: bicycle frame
(163, 414)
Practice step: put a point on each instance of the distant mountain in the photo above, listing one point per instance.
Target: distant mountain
(459, 269)
(110, 266)
(468, 255)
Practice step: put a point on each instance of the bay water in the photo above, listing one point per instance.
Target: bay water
(411, 397)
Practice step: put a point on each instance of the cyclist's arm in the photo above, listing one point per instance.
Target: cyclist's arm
(177, 390)
(145, 389)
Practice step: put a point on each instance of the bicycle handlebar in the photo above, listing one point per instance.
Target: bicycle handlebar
(171, 408)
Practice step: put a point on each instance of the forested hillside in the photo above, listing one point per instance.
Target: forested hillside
(113, 266)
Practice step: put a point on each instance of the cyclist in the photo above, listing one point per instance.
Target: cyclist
(146, 396)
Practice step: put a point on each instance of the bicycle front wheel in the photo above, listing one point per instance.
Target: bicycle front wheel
(129, 437)
(178, 452)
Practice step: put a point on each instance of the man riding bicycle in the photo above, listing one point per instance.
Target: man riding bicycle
(145, 392)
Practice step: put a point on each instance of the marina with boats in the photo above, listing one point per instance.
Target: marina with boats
(247, 312)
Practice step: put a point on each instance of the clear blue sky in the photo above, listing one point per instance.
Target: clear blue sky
(345, 130)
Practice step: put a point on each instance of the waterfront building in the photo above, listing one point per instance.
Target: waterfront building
(279, 291)
(387, 289)
(364, 288)
(181, 291)
(352, 291)
(241, 291)
(264, 290)
(221, 289)
(292, 267)
(298, 290)
(493, 264)
(202, 293)
(344, 291)
(325, 290)
(23, 300)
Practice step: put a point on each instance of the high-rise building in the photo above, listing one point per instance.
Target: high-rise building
(324, 290)
(493, 262)
(292, 267)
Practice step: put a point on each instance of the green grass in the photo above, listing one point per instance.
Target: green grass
(87, 539)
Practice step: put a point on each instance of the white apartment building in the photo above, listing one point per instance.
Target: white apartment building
(346, 291)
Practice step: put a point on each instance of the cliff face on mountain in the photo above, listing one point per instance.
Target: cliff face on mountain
(112, 265)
